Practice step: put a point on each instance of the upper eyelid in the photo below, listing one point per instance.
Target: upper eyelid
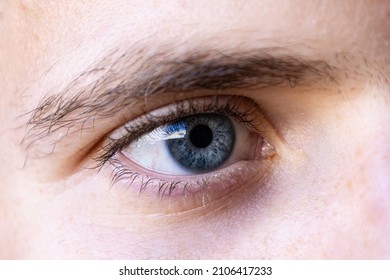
(229, 106)
(207, 69)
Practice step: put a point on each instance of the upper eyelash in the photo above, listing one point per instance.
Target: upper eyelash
(148, 121)
(242, 109)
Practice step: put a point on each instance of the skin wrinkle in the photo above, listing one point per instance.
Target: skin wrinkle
(207, 70)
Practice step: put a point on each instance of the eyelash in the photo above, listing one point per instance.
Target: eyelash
(229, 106)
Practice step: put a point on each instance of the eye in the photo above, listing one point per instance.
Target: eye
(199, 143)
(207, 145)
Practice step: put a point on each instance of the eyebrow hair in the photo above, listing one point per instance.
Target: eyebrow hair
(123, 77)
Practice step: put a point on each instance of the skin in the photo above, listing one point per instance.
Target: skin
(323, 195)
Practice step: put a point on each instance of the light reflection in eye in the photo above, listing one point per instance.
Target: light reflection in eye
(195, 144)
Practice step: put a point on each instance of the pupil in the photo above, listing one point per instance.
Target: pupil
(201, 136)
(207, 143)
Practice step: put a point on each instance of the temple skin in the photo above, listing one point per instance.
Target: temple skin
(324, 195)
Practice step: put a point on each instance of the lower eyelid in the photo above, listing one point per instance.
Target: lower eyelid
(191, 192)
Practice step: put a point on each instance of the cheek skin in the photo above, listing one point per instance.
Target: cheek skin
(344, 189)
(88, 221)
(373, 179)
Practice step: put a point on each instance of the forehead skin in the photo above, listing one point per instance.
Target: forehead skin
(46, 44)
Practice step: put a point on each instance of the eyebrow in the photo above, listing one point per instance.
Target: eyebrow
(114, 82)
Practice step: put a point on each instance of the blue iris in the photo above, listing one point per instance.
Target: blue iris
(207, 144)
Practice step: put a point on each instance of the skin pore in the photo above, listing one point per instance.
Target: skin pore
(312, 76)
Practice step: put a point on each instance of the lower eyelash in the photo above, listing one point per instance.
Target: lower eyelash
(221, 181)
(121, 173)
